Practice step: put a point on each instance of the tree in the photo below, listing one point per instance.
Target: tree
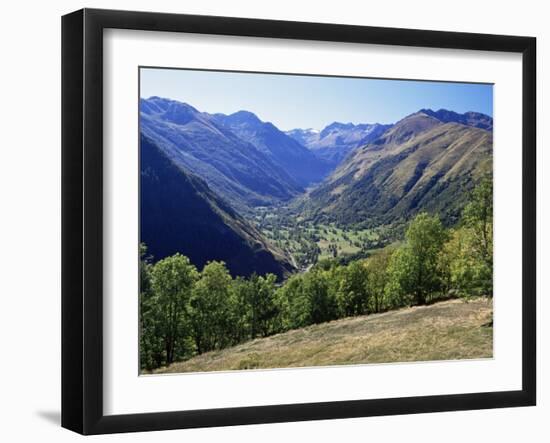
(478, 218)
(468, 255)
(376, 267)
(144, 270)
(241, 291)
(262, 305)
(294, 304)
(151, 348)
(466, 273)
(352, 292)
(321, 300)
(172, 280)
(414, 267)
(210, 308)
(400, 279)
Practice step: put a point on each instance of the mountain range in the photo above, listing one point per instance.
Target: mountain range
(202, 176)
(427, 161)
(298, 161)
(248, 162)
(334, 143)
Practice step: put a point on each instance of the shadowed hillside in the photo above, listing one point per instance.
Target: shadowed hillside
(232, 167)
(179, 213)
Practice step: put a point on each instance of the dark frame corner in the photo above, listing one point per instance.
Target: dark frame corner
(82, 152)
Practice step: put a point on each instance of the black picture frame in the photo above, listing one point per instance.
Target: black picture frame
(82, 218)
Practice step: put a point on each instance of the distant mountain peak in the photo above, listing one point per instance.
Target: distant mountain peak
(427, 161)
(166, 102)
(420, 115)
(337, 140)
(243, 117)
(170, 110)
(470, 118)
(441, 114)
(302, 132)
(338, 126)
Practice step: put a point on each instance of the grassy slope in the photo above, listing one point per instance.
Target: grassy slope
(419, 164)
(444, 331)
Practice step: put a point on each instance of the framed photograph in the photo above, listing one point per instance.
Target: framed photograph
(268, 221)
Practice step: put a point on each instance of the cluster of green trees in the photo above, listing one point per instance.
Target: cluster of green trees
(185, 312)
(435, 261)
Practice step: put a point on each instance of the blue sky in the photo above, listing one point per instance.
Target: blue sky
(294, 101)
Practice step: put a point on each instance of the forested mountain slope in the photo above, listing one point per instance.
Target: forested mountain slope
(180, 213)
(421, 163)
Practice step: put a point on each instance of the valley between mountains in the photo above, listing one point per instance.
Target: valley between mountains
(357, 243)
(237, 189)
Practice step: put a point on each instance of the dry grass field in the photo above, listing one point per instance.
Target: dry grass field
(448, 330)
